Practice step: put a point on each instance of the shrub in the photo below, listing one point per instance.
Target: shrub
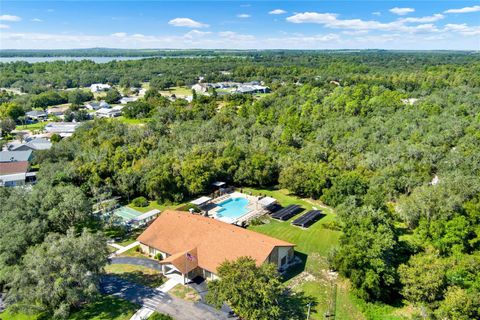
(140, 202)
(332, 225)
(158, 256)
(160, 316)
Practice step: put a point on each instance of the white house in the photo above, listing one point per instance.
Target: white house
(109, 112)
(200, 87)
(98, 87)
(94, 105)
(126, 100)
(64, 129)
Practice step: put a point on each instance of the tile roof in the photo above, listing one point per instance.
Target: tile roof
(177, 232)
(13, 167)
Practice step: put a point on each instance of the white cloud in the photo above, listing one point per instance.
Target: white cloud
(401, 11)
(8, 17)
(236, 36)
(377, 13)
(119, 34)
(277, 11)
(463, 10)
(37, 20)
(194, 34)
(4, 26)
(187, 22)
(463, 29)
(432, 18)
(455, 37)
(331, 20)
(243, 15)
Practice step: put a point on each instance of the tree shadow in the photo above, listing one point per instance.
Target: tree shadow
(296, 269)
(105, 307)
(296, 305)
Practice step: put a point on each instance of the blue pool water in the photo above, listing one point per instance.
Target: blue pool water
(233, 208)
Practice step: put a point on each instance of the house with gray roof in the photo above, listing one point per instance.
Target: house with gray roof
(15, 156)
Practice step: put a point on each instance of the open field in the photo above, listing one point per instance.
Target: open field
(178, 91)
(103, 308)
(33, 126)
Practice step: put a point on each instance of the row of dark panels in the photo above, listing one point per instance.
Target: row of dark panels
(304, 221)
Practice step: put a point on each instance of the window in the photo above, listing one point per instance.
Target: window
(283, 261)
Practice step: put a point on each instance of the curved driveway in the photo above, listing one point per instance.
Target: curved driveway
(158, 300)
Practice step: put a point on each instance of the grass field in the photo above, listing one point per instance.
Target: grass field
(332, 293)
(103, 308)
(142, 275)
(312, 245)
(32, 126)
(155, 205)
(178, 91)
(185, 293)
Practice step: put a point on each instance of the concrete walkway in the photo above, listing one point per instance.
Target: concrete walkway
(159, 301)
(126, 248)
(116, 246)
(142, 314)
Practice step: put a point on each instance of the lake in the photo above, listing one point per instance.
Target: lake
(50, 59)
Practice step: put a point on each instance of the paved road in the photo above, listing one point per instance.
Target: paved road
(159, 301)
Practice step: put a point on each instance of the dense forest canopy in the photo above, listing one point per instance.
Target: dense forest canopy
(355, 144)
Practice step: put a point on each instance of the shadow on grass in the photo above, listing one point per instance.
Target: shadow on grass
(298, 268)
(296, 305)
(105, 307)
(150, 280)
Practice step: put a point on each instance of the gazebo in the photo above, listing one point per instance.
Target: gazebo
(201, 201)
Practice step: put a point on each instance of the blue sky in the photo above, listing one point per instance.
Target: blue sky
(241, 24)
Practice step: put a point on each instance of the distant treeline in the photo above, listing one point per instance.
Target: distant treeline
(109, 52)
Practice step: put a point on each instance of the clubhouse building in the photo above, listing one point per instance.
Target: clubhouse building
(194, 245)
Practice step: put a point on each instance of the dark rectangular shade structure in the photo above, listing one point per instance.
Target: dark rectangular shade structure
(287, 212)
(308, 218)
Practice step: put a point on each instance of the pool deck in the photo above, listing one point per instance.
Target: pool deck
(253, 208)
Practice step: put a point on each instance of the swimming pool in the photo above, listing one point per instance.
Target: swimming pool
(126, 213)
(233, 208)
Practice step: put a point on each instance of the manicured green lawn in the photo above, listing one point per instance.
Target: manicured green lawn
(132, 253)
(155, 205)
(107, 307)
(103, 308)
(32, 126)
(178, 91)
(131, 237)
(142, 275)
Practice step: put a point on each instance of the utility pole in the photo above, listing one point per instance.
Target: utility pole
(308, 313)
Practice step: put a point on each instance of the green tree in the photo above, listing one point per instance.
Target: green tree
(63, 273)
(367, 253)
(113, 96)
(254, 292)
(422, 287)
(459, 304)
(7, 125)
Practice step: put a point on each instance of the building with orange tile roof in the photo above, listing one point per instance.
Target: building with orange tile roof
(194, 245)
